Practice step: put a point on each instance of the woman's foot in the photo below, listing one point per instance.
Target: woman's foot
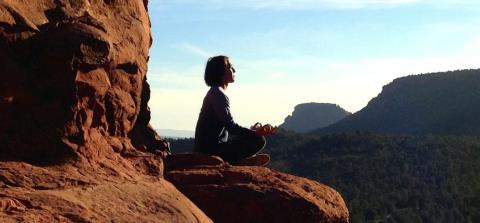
(255, 160)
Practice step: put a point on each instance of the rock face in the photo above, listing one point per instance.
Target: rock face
(76, 145)
(310, 116)
(73, 79)
(252, 194)
(74, 116)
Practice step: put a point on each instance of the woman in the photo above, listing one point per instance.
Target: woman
(216, 132)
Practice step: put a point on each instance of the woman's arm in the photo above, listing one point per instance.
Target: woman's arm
(221, 106)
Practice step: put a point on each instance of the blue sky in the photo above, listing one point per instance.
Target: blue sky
(288, 52)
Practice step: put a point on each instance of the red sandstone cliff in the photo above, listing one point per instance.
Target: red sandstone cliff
(76, 145)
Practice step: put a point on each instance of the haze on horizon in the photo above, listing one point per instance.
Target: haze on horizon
(289, 52)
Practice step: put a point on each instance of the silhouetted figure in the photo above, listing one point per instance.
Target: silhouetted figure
(216, 132)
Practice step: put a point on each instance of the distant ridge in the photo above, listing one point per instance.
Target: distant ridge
(446, 103)
(310, 116)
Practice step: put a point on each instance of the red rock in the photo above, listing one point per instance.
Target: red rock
(74, 116)
(109, 194)
(257, 194)
(74, 79)
(77, 200)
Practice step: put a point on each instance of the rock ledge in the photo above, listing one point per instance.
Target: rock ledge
(229, 193)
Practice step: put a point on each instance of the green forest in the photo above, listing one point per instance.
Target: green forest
(389, 178)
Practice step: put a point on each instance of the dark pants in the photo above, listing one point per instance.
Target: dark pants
(239, 148)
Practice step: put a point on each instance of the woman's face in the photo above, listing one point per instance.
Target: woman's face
(229, 76)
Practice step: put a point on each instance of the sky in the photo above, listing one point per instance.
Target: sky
(288, 52)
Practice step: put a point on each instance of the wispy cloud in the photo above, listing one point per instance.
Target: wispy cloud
(194, 50)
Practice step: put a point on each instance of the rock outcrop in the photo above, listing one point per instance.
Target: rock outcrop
(73, 79)
(252, 194)
(76, 144)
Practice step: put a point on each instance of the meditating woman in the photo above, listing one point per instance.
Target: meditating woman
(216, 132)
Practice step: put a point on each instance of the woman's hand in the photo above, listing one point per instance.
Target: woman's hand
(264, 130)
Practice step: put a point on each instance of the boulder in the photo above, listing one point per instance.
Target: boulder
(240, 194)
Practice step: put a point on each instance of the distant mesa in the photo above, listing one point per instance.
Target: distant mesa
(446, 103)
(310, 116)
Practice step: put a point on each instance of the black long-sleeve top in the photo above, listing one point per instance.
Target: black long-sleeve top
(215, 122)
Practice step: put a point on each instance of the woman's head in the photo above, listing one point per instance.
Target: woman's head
(218, 71)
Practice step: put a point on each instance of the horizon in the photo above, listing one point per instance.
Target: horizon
(293, 52)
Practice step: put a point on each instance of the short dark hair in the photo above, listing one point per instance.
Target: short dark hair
(215, 70)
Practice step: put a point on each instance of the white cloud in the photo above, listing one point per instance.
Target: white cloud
(194, 50)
